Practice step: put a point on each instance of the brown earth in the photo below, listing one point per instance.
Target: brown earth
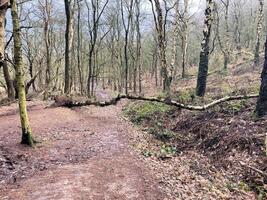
(84, 154)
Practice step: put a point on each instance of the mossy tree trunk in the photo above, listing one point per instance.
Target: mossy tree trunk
(261, 109)
(204, 53)
(18, 62)
(259, 33)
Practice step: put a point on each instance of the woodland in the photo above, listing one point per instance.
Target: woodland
(131, 99)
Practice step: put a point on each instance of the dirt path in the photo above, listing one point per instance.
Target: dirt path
(84, 154)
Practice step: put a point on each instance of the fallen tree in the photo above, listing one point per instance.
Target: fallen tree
(69, 102)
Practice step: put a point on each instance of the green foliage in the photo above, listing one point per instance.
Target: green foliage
(186, 96)
(230, 186)
(168, 150)
(160, 132)
(226, 88)
(261, 193)
(243, 186)
(147, 153)
(151, 115)
(138, 112)
(237, 105)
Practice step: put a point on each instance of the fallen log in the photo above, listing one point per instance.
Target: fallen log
(68, 102)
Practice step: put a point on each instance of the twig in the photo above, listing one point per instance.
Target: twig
(253, 168)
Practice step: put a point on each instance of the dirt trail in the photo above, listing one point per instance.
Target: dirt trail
(84, 154)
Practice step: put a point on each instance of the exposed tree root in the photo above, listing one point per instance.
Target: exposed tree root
(68, 102)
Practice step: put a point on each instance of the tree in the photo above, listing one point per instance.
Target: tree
(184, 35)
(204, 52)
(126, 42)
(18, 62)
(138, 44)
(93, 27)
(160, 24)
(69, 10)
(3, 63)
(261, 108)
(259, 33)
(79, 46)
(225, 45)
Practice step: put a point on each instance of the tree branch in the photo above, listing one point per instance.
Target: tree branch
(68, 102)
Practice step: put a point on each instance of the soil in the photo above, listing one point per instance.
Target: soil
(95, 153)
(84, 153)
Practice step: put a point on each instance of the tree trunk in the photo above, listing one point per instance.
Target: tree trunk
(68, 43)
(204, 53)
(79, 48)
(26, 130)
(259, 33)
(161, 39)
(47, 15)
(9, 82)
(3, 63)
(185, 39)
(261, 108)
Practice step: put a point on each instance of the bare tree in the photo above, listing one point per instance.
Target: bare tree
(69, 10)
(204, 53)
(18, 62)
(259, 33)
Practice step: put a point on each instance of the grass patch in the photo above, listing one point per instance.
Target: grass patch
(146, 111)
(153, 116)
(237, 106)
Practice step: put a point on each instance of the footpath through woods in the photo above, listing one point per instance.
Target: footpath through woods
(85, 153)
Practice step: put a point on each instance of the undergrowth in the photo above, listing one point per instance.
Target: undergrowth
(152, 116)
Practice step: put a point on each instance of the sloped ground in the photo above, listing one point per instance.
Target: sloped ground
(217, 154)
(207, 155)
(84, 154)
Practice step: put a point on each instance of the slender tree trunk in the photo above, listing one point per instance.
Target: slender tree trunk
(3, 63)
(68, 43)
(175, 39)
(26, 130)
(227, 35)
(261, 108)
(8, 80)
(259, 33)
(185, 39)
(126, 41)
(204, 53)
(47, 14)
(161, 39)
(79, 47)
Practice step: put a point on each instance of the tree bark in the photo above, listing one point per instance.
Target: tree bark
(68, 102)
(47, 30)
(261, 108)
(18, 62)
(79, 48)
(161, 39)
(259, 33)
(68, 43)
(185, 39)
(3, 63)
(204, 53)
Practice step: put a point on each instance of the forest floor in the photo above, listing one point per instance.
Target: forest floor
(84, 154)
(96, 153)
